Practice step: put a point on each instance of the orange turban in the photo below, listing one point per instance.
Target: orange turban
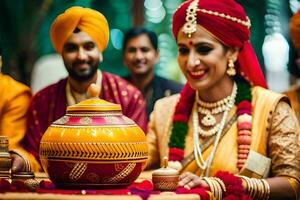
(295, 29)
(87, 20)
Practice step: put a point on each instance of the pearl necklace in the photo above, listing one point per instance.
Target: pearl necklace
(209, 119)
(205, 164)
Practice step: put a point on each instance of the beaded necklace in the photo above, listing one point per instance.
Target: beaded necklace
(183, 111)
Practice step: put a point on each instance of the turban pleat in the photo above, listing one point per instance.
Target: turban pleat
(87, 20)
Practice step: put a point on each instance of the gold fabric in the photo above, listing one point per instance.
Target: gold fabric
(272, 131)
(14, 102)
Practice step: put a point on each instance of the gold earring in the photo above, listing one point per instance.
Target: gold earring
(231, 70)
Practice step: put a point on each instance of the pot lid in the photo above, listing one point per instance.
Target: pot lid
(94, 104)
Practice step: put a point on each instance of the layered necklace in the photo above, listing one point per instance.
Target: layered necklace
(223, 105)
(241, 96)
(209, 109)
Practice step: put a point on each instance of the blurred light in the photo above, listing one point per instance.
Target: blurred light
(156, 16)
(153, 4)
(276, 52)
(116, 36)
(172, 4)
(294, 5)
(155, 12)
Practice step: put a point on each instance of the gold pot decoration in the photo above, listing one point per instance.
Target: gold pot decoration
(93, 146)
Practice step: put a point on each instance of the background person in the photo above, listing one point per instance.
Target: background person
(140, 54)
(14, 102)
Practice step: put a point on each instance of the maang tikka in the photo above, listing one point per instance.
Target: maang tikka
(191, 19)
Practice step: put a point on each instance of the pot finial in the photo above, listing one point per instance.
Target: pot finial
(93, 91)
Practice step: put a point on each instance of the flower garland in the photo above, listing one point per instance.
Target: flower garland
(232, 183)
(183, 111)
(234, 187)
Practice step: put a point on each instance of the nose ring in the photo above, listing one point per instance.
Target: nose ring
(197, 62)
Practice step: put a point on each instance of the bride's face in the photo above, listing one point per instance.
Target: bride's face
(213, 56)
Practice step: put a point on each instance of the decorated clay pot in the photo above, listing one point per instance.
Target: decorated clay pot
(165, 178)
(93, 146)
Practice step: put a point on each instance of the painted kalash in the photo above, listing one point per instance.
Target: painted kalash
(93, 146)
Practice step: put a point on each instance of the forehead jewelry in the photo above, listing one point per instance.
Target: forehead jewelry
(191, 19)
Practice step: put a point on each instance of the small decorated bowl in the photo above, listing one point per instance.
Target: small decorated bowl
(165, 178)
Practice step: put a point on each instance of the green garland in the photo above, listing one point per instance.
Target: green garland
(179, 131)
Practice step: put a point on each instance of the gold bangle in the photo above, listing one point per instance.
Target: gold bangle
(218, 188)
(264, 194)
(27, 164)
(267, 188)
(260, 188)
(255, 188)
(249, 188)
(211, 186)
(220, 182)
(295, 184)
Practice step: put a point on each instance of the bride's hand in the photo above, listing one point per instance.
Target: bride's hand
(189, 181)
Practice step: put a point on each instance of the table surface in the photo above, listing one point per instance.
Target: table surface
(144, 175)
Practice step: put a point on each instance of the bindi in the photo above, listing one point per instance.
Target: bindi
(191, 43)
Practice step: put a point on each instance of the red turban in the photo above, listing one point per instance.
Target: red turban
(228, 22)
(88, 20)
(295, 30)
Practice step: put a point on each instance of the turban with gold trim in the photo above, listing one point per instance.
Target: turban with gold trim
(87, 20)
(295, 29)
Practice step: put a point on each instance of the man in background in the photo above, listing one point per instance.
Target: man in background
(140, 54)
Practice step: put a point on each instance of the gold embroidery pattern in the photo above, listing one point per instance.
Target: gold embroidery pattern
(62, 120)
(77, 171)
(284, 142)
(96, 151)
(125, 172)
(86, 121)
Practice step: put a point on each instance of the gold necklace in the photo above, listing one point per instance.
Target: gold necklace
(209, 120)
(209, 109)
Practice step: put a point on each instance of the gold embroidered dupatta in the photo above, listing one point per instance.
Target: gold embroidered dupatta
(264, 103)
